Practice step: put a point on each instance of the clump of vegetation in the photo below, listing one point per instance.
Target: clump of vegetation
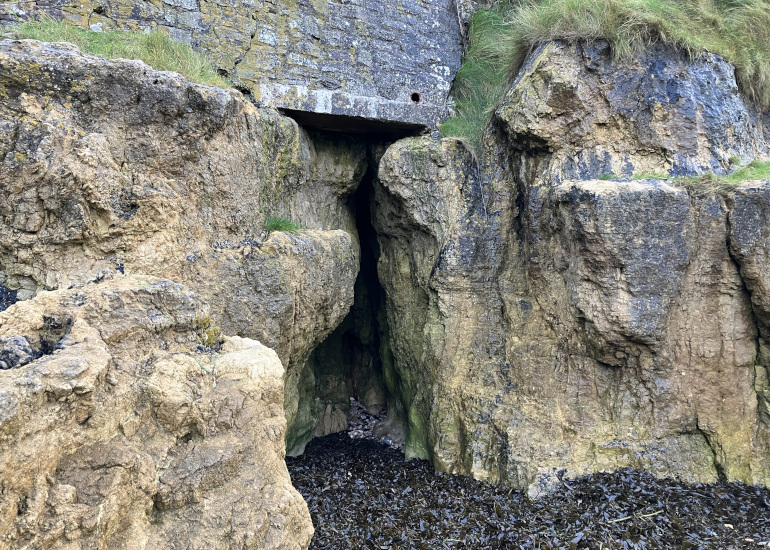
(501, 37)
(281, 224)
(712, 183)
(155, 48)
(755, 171)
(482, 80)
(209, 335)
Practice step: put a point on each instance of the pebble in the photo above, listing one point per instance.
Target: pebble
(361, 424)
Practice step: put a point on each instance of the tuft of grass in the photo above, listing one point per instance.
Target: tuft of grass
(650, 176)
(482, 80)
(500, 39)
(754, 171)
(713, 184)
(155, 48)
(281, 224)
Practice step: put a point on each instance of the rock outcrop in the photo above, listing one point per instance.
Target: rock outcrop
(536, 319)
(544, 322)
(112, 165)
(116, 432)
(658, 113)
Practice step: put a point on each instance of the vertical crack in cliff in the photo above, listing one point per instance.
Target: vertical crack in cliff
(760, 382)
(762, 416)
(715, 450)
(348, 363)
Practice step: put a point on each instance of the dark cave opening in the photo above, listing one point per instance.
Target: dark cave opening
(366, 128)
(348, 364)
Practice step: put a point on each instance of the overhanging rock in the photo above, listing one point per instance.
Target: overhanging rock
(374, 60)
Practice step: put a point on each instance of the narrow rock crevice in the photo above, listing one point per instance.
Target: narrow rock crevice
(348, 364)
(761, 379)
(715, 452)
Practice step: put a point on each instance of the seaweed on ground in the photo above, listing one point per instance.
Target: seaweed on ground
(362, 494)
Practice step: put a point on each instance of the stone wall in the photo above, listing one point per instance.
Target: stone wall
(390, 60)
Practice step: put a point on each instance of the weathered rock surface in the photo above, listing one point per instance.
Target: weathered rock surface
(113, 435)
(543, 325)
(356, 58)
(127, 166)
(660, 112)
(112, 165)
(289, 292)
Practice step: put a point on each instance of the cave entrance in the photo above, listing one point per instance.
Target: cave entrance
(348, 366)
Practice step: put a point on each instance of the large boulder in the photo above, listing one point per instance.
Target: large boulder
(120, 430)
(545, 322)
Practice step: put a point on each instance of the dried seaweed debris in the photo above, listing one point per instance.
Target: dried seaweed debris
(363, 494)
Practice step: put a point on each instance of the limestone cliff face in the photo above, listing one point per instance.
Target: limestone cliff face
(539, 320)
(115, 166)
(548, 323)
(113, 435)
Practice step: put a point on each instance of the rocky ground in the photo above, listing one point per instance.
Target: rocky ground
(363, 494)
(361, 425)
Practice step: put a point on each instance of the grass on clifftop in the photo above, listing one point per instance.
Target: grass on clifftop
(501, 37)
(281, 224)
(155, 48)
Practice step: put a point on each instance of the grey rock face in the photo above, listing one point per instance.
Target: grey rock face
(585, 115)
(750, 245)
(16, 352)
(623, 245)
(388, 60)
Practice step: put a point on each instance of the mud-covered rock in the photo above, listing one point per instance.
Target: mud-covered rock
(123, 435)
